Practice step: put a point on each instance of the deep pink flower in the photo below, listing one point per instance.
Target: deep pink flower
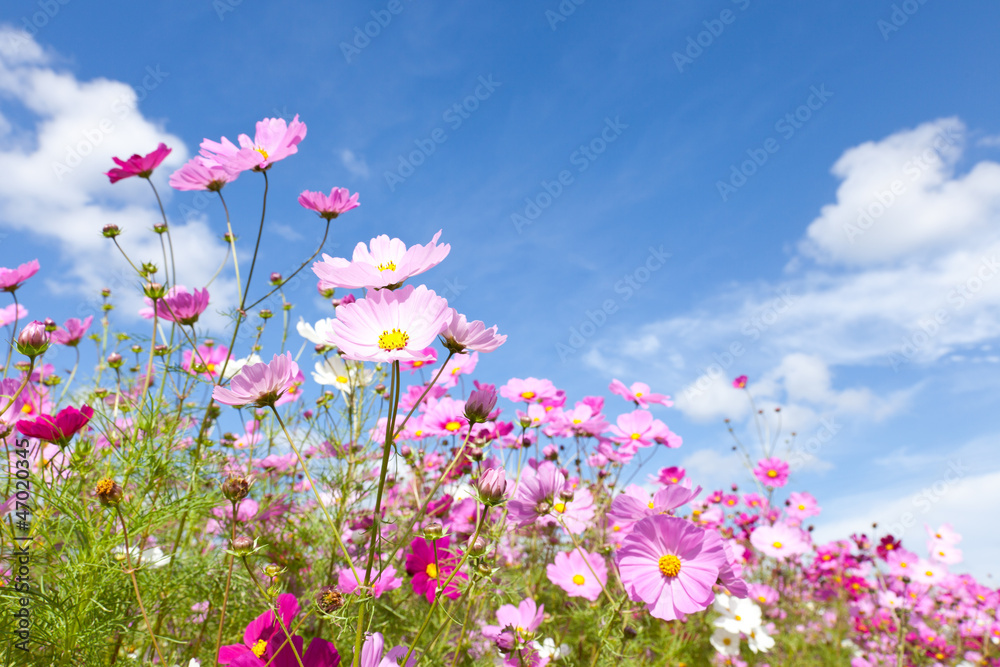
(11, 279)
(340, 200)
(138, 165)
(462, 335)
(59, 429)
(389, 325)
(671, 565)
(181, 306)
(529, 390)
(429, 570)
(671, 475)
(740, 382)
(202, 173)
(639, 393)
(274, 140)
(772, 472)
(211, 357)
(387, 264)
(535, 494)
(780, 540)
(571, 573)
(265, 642)
(259, 384)
(72, 332)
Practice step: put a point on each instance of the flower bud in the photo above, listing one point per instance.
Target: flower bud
(329, 599)
(33, 340)
(478, 546)
(273, 571)
(109, 492)
(242, 545)
(115, 360)
(325, 293)
(406, 451)
(506, 641)
(111, 231)
(265, 314)
(566, 495)
(228, 238)
(433, 530)
(106, 292)
(480, 404)
(492, 486)
(236, 488)
(154, 291)
(50, 325)
(160, 228)
(476, 453)
(276, 278)
(160, 350)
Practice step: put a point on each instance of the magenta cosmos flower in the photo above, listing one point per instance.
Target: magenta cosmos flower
(740, 382)
(259, 384)
(202, 173)
(265, 642)
(772, 472)
(59, 429)
(72, 332)
(535, 494)
(429, 565)
(212, 357)
(671, 565)
(389, 325)
(373, 653)
(138, 165)
(571, 572)
(780, 540)
(463, 335)
(11, 279)
(639, 393)
(274, 140)
(181, 306)
(340, 200)
(386, 581)
(388, 263)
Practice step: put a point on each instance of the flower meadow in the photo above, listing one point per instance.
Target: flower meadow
(355, 495)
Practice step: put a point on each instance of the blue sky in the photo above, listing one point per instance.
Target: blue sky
(773, 263)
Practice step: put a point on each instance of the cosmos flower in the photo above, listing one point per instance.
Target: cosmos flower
(389, 325)
(202, 173)
(534, 496)
(386, 581)
(636, 503)
(462, 335)
(259, 384)
(570, 572)
(388, 263)
(779, 541)
(59, 429)
(638, 429)
(138, 165)
(181, 306)
(344, 375)
(373, 653)
(740, 382)
(12, 313)
(430, 565)
(274, 140)
(639, 393)
(340, 200)
(528, 390)
(671, 565)
(772, 472)
(265, 642)
(11, 279)
(211, 357)
(72, 332)
(801, 506)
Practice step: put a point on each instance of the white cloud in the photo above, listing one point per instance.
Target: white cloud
(358, 166)
(54, 186)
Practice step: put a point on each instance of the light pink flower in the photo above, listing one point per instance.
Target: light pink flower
(801, 506)
(72, 332)
(259, 384)
(525, 618)
(463, 335)
(274, 140)
(138, 165)
(636, 503)
(202, 173)
(638, 429)
(12, 313)
(535, 494)
(387, 581)
(571, 573)
(575, 514)
(528, 390)
(388, 263)
(780, 540)
(671, 565)
(11, 279)
(373, 649)
(389, 325)
(639, 393)
(211, 357)
(340, 200)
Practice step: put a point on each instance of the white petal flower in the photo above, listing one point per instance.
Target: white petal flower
(726, 643)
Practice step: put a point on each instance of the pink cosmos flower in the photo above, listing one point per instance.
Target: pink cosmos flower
(72, 332)
(763, 594)
(447, 417)
(387, 264)
(459, 364)
(11, 279)
(671, 565)
(740, 382)
(387, 581)
(528, 390)
(772, 472)
(571, 573)
(636, 503)
(944, 534)
(12, 313)
(182, 307)
(138, 165)
(802, 506)
(639, 393)
(780, 540)
(202, 173)
(340, 200)
(211, 357)
(522, 620)
(59, 429)
(274, 140)
(259, 384)
(373, 649)
(638, 429)
(671, 475)
(265, 642)
(429, 356)
(535, 494)
(463, 335)
(430, 565)
(390, 325)
(929, 573)
(942, 552)
(575, 514)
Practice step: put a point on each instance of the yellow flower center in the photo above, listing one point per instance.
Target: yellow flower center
(211, 368)
(264, 154)
(802, 507)
(528, 395)
(26, 408)
(453, 426)
(635, 436)
(579, 580)
(638, 394)
(777, 545)
(560, 507)
(772, 473)
(432, 570)
(929, 573)
(762, 598)
(670, 565)
(261, 645)
(577, 421)
(456, 371)
(341, 379)
(418, 364)
(903, 565)
(651, 504)
(616, 528)
(737, 617)
(387, 266)
(393, 340)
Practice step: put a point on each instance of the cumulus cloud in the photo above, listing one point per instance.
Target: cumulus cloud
(357, 166)
(53, 157)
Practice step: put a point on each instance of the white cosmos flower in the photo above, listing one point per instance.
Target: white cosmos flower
(314, 334)
(548, 650)
(344, 375)
(236, 365)
(152, 557)
(758, 640)
(726, 643)
(737, 615)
